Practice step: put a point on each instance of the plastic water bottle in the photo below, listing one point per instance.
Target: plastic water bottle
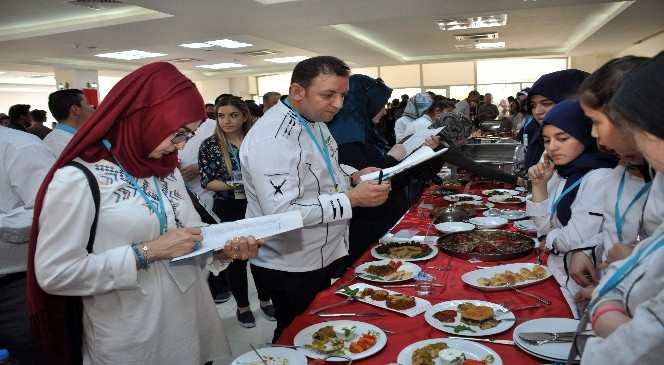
(4, 357)
(423, 284)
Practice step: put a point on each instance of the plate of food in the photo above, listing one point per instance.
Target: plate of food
(443, 192)
(488, 222)
(527, 226)
(448, 351)
(352, 339)
(487, 244)
(507, 199)
(387, 271)
(452, 184)
(462, 198)
(451, 227)
(470, 317)
(494, 192)
(509, 214)
(405, 251)
(386, 299)
(473, 205)
(501, 277)
(272, 356)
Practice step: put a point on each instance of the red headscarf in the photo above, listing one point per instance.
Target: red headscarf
(142, 109)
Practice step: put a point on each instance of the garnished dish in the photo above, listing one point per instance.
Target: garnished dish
(507, 199)
(352, 339)
(448, 351)
(387, 299)
(470, 317)
(474, 204)
(527, 226)
(486, 245)
(452, 184)
(387, 271)
(443, 192)
(495, 192)
(462, 198)
(272, 356)
(503, 276)
(509, 214)
(407, 251)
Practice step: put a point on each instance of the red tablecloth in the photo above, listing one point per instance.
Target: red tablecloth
(408, 330)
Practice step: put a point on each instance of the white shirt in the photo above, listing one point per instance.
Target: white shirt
(57, 140)
(653, 213)
(24, 162)
(189, 156)
(283, 171)
(585, 220)
(400, 127)
(422, 122)
(162, 315)
(463, 107)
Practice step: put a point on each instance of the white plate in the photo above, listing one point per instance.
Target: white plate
(527, 226)
(453, 304)
(452, 227)
(488, 222)
(548, 351)
(455, 198)
(421, 305)
(304, 338)
(272, 355)
(498, 199)
(471, 278)
(478, 203)
(508, 214)
(501, 191)
(432, 254)
(472, 350)
(410, 268)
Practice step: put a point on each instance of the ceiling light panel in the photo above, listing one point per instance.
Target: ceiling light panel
(489, 45)
(476, 36)
(130, 55)
(196, 45)
(292, 59)
(221, 66)
(225, 43)
(488, 21)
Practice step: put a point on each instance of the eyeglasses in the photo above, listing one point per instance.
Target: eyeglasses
(182, 136)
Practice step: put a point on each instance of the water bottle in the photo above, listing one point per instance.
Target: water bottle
(4, 357)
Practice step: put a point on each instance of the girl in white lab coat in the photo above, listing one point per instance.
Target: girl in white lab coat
(566, 202)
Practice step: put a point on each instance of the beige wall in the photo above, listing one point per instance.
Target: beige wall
(401, 76)
(449, 73)
(210, 89)
(648, 48)
(590, 63)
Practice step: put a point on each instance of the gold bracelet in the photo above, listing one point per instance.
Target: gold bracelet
(146, 253)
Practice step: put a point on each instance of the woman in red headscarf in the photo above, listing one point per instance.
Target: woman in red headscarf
(137, 306)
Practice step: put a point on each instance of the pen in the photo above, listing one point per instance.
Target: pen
(380, 177)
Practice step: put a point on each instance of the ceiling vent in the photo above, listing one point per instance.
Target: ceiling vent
(476, 36)
(259, 53)
(96, 4)
(184, 60)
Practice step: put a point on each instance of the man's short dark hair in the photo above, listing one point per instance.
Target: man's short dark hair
(268, 95)
(209, 104)
(307, 70)
(17, 111)
(38, 116)
(61, 101)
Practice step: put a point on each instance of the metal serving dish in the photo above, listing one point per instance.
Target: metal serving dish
(451, 214)
(498, 155)
(486, 244)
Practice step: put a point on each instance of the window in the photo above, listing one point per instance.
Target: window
(442, 92)
(500, 92)
(509, 70)
(460, 92)
(278, 82)
(410, 91)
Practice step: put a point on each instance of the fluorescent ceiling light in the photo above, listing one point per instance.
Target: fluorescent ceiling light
(476, 36)
(225, 43)
(292, 59)
(130, 55)
(498, 20)
(270, 2)
(221, 66)
(489, 45)
(196, 45)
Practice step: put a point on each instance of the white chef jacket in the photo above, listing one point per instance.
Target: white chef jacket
(189, 156)
(400, 127)
(162, 315)
(24, 162)
(282, 171)
(57, 140)
(420, 123)
(653, 213)
(585, 221)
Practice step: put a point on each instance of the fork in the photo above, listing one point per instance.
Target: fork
(540, 299)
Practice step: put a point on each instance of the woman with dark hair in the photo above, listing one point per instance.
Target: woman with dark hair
(138, 307)
(626, 310)
(627, 187)
(565, 203)
(219, 164)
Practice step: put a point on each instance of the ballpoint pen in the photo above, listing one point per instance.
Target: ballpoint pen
(380, 177)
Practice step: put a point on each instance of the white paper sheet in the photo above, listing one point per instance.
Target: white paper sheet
(422, 154)
(216, 235)
(417, 140)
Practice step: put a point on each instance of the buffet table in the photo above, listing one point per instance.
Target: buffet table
(407, 330)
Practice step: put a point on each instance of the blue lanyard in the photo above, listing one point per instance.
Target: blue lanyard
(527, 123)
(556, 201)
(630, 264)
(322, 146)
(619, 216)
(157, 207)
(66, 128)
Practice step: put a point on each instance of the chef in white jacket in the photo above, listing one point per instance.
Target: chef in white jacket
(289, 162)
(566, 203)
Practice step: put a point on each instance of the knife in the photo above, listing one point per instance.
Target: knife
(258, 354)
(320, 309)
(499, 342)
(362, 314)
(547, 336)
(409, 285)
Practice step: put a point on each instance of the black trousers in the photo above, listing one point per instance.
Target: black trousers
(292, 292)
(229, 210)
(15, 333)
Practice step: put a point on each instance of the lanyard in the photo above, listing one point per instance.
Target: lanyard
(556, 201)
(157, 207)
(630, 264)
(66, 128)
(527, 123)
(322, 146)
(619, 216)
